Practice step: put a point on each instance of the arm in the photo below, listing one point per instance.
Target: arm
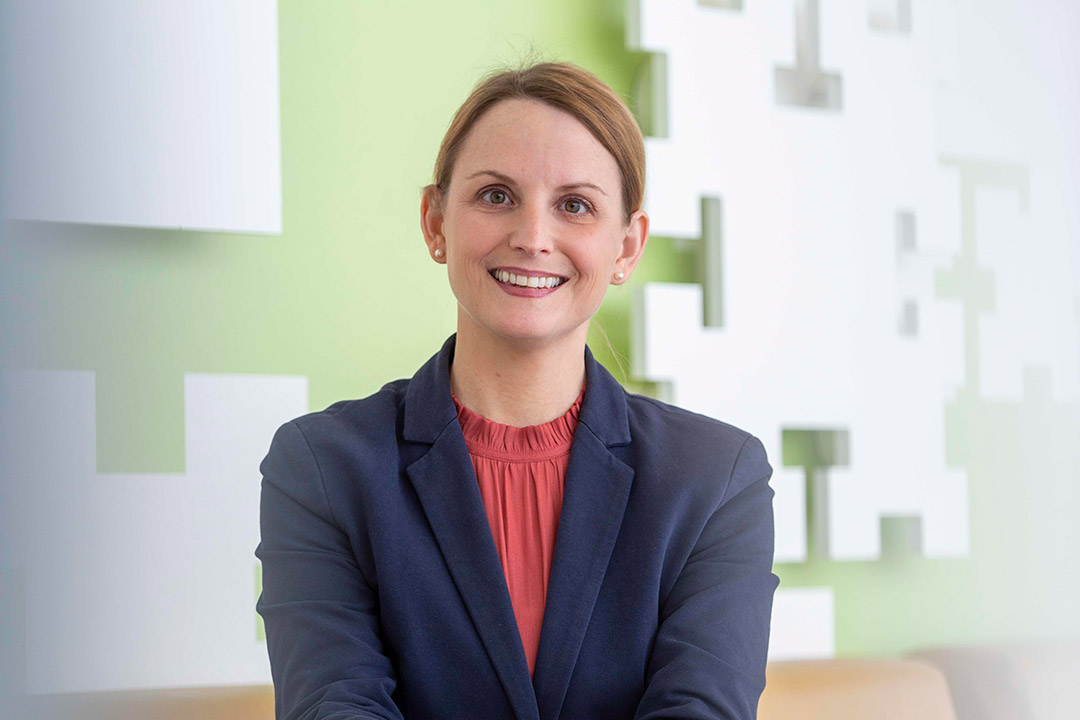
(708, 661)
(321, 613)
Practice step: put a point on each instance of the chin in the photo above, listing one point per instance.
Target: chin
(533, 335)
(526, 335)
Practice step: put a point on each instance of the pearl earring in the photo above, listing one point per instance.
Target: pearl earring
(438, 252)
(619, 275)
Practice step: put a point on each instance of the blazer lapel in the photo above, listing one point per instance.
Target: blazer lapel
(597, 488)
(445, 482)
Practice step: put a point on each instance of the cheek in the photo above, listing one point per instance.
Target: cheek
(597, 259)
(472, 237)
(593, 283)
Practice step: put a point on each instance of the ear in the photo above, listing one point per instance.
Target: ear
(633, 245)
(431, 221)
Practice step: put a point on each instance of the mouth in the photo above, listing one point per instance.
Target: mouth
(527, 281)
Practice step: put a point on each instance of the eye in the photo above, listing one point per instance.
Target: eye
(576, 206)
(495, 196)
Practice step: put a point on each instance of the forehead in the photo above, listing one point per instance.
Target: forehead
(535, 142)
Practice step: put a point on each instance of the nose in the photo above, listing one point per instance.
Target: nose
(533, 233)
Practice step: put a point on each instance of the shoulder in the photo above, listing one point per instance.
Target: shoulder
(369, 425)
(654, 414)
(657, 422)
(700, 445)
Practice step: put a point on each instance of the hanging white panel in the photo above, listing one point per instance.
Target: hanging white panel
(154, 114)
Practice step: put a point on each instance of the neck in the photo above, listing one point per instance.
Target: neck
(516, 384)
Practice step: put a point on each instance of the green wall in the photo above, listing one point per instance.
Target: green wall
(348, 297)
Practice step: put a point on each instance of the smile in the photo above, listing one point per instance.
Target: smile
(527, 281)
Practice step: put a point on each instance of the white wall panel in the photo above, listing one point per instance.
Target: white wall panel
(139, 580)
(899, 225)
(159, 114)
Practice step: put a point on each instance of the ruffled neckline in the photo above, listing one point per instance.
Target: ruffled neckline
(519, 444)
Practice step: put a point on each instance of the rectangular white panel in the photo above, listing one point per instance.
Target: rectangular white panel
(803, 624)
(154, 114)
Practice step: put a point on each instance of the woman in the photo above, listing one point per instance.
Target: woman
(509, 533)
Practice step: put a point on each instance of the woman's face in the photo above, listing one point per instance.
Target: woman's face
(532, 193)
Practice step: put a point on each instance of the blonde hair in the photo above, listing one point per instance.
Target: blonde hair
(571, 89)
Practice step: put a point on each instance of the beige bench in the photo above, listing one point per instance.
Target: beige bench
(870, 689)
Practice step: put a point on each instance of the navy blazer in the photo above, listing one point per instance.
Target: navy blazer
(383, 595)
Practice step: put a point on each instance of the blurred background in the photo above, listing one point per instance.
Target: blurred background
(865, 250)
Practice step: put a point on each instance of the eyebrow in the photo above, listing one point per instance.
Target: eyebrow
(510, 181)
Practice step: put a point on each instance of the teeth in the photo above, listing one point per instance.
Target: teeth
(527, 281)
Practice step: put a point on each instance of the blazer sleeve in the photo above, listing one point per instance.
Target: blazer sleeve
(708, 660)
(320, 612)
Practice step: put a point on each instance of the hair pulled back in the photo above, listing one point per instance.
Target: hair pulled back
(571, 89)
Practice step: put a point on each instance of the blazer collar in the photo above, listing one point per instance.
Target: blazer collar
(429, 407)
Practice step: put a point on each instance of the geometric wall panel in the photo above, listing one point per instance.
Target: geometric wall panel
(838, 218)
(882, 205)
(812, 125)
(138, 580)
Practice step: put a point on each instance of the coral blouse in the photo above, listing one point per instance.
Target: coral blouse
(521, 471)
